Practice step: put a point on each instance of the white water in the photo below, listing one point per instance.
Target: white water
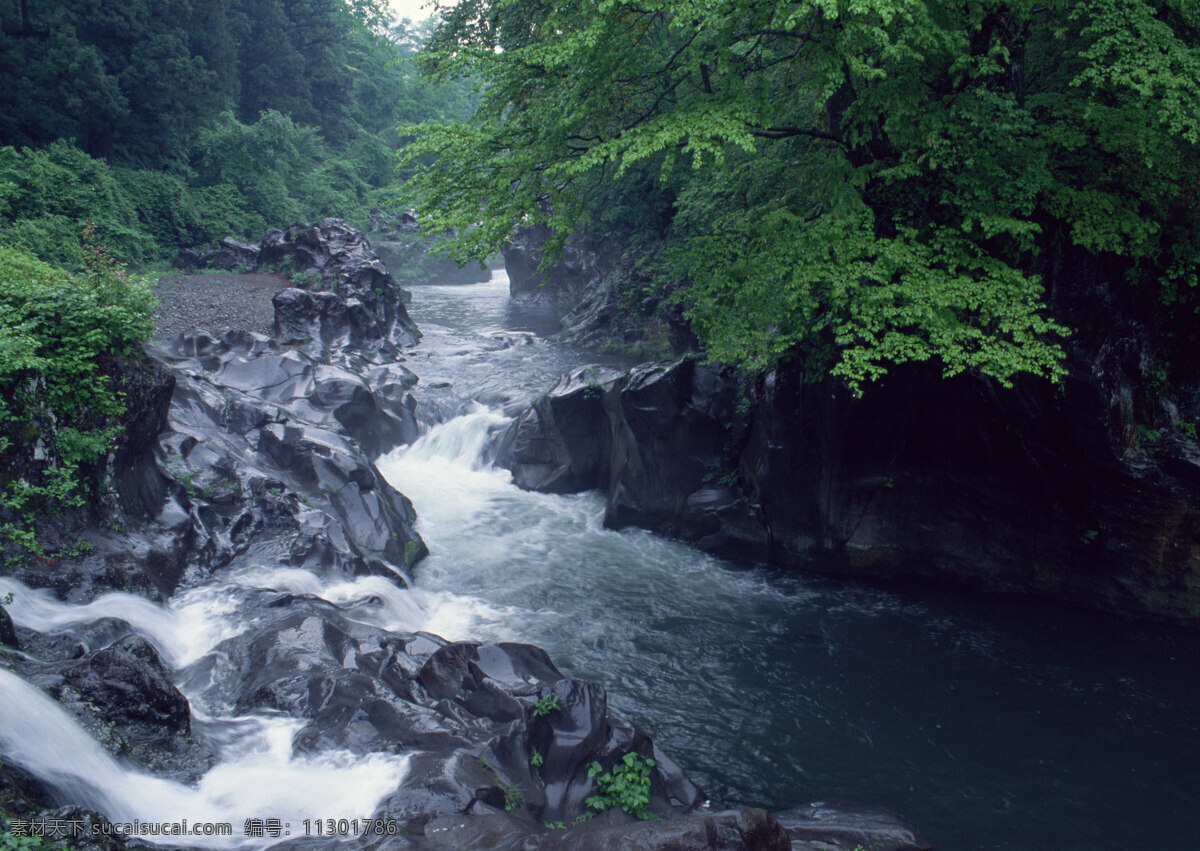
(258, 777)
(990, 722)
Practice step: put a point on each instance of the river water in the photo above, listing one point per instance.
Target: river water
(991, 722)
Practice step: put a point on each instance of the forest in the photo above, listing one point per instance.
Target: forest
(851, 184)
(173, 124)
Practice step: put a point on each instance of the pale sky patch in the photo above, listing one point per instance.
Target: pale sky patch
(414, 9)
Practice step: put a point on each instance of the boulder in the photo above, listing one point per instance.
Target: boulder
(847, 826)
(230, 256)
(1011, 490)
(128, 684)
(269, 443)
(8, 633)
(333, 261)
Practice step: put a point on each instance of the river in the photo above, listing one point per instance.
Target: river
(990, 721)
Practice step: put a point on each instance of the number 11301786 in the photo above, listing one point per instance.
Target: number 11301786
(350, 827)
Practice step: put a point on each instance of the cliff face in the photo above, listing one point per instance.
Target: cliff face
(1087, 492)
(602, 291)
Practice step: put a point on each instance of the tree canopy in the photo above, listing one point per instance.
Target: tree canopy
(863, 182)
(176, 122)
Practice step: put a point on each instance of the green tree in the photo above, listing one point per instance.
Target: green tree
(870, 180)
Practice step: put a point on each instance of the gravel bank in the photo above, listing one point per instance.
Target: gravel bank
(216, 302)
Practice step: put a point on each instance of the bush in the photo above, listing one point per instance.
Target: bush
(45, 194)
(61, 337)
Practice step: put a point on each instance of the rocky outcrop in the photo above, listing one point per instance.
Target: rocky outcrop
(343, 295)
(956, 479)
(230, 256)
(602, 291)
(8, 633)
(847, 826)
(267, 442)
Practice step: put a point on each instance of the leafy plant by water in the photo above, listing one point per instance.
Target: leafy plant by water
(626, 785)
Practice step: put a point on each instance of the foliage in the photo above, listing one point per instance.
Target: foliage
(545, 705)
(536, 759)
(871, 182)
(626, 785)
(60, 407)
(9, 842)
(173, 123)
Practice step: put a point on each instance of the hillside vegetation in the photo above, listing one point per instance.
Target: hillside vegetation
(172, 124)
(851, 183)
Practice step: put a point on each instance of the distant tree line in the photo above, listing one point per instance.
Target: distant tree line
(175, 122)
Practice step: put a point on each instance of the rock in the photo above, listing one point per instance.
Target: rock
(268, 443)
(128, 683)
(846, 826)
(561, 443)
(656, 439)
(122, 694)
(21, 794)
(231, 256)
(8, 633)
(1014, 490)
(465, 711)
(333, 261)
(601, 290)
(381, 222)
(139, 485)
(186, 259)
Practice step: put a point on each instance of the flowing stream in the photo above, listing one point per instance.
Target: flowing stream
(991, 722)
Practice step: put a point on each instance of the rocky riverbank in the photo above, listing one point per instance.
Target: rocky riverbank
(1088, 491)
(243, 451)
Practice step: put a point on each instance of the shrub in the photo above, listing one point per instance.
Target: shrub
(626, 785)
(61, 337)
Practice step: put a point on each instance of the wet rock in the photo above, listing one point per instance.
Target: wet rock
(1012, 490)
(128, 684)
(561, 443)
(21, 794)
(345, 296)
(465, 710)
(657, 439)
(8, 633)
(268, 442)
(591, 286)
(846, 826)
(140, 486)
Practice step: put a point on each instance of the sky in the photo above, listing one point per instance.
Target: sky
(410, 9)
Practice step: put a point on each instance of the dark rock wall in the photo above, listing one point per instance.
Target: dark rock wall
(1010, 490)
(602, 291)
(1089, 491)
